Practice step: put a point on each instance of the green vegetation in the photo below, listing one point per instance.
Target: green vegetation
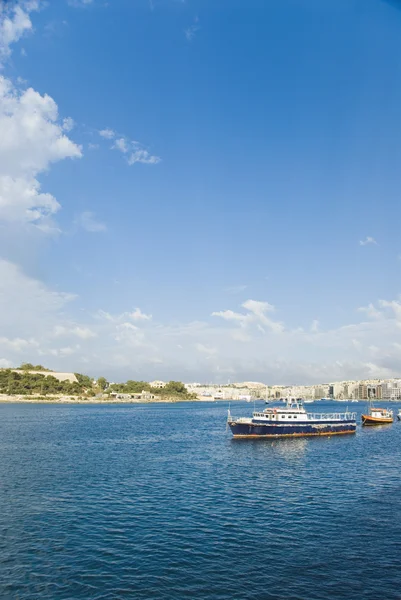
(30, 367)
(174, 389)
(23, 382)
(84, 381)
(102, 383)
(14, 382)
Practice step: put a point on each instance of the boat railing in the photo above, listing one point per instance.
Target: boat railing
(232, 419)
(346, 416)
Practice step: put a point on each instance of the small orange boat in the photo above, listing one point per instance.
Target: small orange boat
(377, 416)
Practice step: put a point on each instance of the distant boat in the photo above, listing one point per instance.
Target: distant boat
(399, 414)
(377, 416)
(292, 421)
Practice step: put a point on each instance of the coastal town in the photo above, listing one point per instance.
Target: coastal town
(29, 382)
(379, 389)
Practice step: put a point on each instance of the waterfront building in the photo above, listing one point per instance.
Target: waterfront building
(362, 391)
(158, 384)
(391, 390)
(321, 391)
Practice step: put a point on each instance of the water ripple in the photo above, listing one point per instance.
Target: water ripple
(158, 502)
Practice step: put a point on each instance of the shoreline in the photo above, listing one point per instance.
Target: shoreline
(19, 399)
(8, 399)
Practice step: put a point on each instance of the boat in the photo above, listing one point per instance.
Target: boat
(291, 421)
(377, 416)
(399, 414)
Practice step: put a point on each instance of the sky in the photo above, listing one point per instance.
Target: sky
(204, 190)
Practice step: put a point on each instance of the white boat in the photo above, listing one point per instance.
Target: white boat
(399, 414)
(377, 416)
(292, 421)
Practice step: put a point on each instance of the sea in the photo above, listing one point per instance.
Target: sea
(158, 502)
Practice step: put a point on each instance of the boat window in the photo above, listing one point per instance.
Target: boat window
(295, 417)
(290, 416)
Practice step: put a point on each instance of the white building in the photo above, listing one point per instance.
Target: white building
(391, 390)
(158, 384)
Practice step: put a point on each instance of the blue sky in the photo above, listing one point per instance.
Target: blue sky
(222, 188)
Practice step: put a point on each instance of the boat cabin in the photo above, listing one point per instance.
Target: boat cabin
(380, 413)
(293, 411)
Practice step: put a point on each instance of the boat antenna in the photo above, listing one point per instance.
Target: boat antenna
(228, 415)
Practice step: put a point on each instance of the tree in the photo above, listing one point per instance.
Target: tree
(84, 380)
(27, 366)
(102, 383)
(30, 367)
(176, 387)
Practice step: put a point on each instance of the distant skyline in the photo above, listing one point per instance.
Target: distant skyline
(201, 191)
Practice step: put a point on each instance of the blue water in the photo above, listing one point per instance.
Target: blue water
(158, 502)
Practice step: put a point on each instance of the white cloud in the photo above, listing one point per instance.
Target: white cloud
(108, 134)
(230, 315)
(121, 144)
(143, 156)
(395, 306)
(87, 221)
(371, 311)
(84, 333)
(131, 344)
(68, 124)
(315, 326)
(22, 201)
(80, 3)
(14, 23)
(134, 151)
(17, 344)
(31, 139)
(28, 310)
(368, 240)
(256, 315)
(190, 31)
(138, 315)
(205, 349)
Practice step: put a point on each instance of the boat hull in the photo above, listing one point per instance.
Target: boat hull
(260, 430)
(368, 420)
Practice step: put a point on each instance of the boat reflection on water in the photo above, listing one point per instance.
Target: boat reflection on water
(290, 449)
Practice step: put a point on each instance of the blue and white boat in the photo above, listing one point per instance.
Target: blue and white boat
(291, 421)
